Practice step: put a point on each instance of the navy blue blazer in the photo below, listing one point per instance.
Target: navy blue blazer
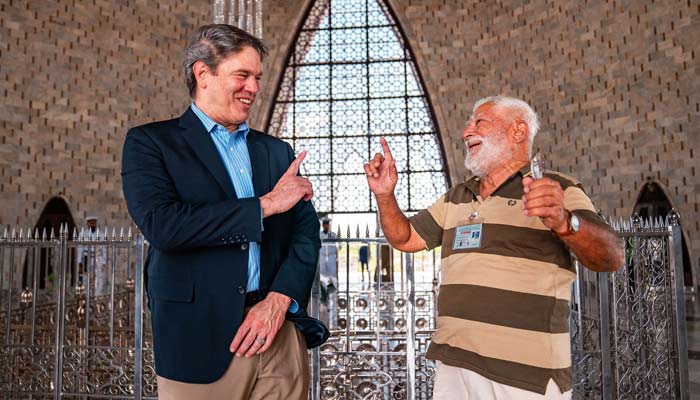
(179, 194)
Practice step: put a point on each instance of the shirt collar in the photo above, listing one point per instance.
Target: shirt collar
(473, 183)
(210, 125)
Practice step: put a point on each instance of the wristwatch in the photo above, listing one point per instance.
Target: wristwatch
(573, 223)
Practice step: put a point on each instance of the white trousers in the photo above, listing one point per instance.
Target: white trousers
(459, 383)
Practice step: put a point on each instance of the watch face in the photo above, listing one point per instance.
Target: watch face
(575, 225)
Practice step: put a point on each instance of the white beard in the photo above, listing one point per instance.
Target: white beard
(494, 150)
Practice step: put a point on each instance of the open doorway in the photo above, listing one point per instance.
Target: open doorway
(55, 213)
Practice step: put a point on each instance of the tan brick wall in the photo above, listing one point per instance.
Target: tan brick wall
(616, 85)
(75, 75)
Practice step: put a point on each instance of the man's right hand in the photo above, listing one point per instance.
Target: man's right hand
(288, 190)
(381, 172)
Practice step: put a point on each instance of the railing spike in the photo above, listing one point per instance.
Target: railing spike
(367, 231)
(121, 233)
(128, 235)
(13, 235)
(75, 233)
(338, 233)
(82, 233)
(36, 234)
(21, 233)
(357, 230)
(348, 236)
(52, 234)
(4, 236)
(114, 233)
(43, 234)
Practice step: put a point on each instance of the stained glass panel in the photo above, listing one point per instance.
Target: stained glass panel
(350, 79)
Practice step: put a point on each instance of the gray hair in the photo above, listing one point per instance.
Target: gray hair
(211, 44)
(511, 103)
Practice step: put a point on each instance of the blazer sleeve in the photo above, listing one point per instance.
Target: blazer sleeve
(165, 220)
(298, 270)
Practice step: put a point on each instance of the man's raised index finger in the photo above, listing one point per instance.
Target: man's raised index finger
(385, 148)
(294, 166)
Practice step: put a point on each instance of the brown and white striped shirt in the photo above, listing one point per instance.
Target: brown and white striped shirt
(503, 308)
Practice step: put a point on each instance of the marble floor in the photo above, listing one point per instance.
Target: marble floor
(693, 319)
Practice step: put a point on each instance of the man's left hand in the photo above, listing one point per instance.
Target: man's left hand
(263, 321)
(544, 198)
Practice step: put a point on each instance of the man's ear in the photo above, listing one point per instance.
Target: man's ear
(520, 131)
(201, 74)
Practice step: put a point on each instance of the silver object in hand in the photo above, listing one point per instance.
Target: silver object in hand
(538, 165)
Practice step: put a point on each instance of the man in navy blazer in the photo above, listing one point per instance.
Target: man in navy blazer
(234, 239)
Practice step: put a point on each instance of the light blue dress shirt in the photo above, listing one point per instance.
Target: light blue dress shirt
(233, 149)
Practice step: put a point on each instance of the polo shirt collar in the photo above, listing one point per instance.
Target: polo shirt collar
(473, 183)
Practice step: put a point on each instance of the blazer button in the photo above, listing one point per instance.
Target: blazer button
(241, 290)
(244, 246)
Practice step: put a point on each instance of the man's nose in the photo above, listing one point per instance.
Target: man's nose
(252, 85)
(468, 130)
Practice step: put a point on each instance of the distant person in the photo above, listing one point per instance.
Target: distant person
(328, 270)
(92, 258)
(364, 261)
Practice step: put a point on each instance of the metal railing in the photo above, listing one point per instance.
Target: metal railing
(72, 321)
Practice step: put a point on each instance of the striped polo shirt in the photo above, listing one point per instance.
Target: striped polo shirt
(503, 308)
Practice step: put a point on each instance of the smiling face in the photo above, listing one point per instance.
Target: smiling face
(487, 140)
(227, 94)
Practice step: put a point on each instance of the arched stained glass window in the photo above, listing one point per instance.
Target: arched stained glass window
(350, 80)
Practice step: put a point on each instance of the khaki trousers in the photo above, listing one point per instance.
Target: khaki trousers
(282, 372)
(458, 383)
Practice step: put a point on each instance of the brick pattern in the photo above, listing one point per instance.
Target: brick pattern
(75, 76)
(616, 85)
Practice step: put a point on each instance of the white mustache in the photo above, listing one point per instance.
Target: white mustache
(471, 140)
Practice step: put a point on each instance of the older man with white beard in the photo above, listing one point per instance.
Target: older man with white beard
(503, 305)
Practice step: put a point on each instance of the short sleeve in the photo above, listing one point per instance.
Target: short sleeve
(576, 201)
(429, 223)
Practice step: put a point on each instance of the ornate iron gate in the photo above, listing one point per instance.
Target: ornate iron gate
(82, 331)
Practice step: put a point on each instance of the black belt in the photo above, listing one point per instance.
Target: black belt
(253, 298)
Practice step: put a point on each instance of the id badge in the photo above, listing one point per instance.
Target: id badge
(468, 237)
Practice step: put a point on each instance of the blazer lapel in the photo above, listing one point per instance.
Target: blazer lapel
(202, 144)
(260, 163)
